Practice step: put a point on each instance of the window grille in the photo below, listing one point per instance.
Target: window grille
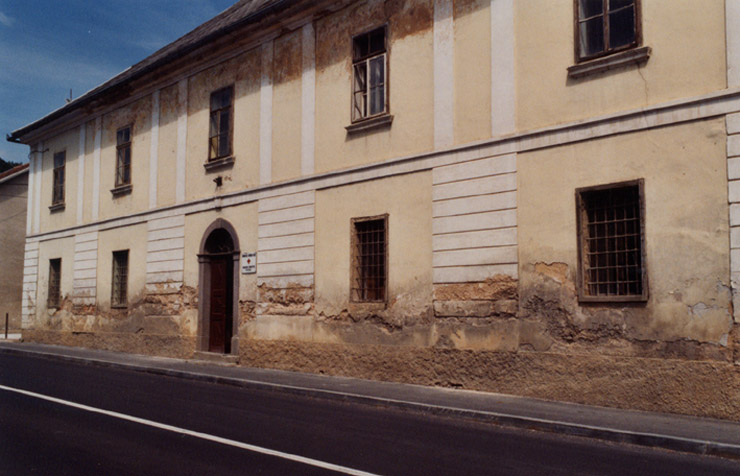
(220, 128)
(612, 244)
(123, 156)
(606, 26)
(55, 278)
(58, 190)
(119, 288)
(369, 260)
(370, 74)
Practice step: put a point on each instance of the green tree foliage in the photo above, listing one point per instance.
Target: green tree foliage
(7, 165)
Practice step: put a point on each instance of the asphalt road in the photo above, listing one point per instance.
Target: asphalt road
(158, 425)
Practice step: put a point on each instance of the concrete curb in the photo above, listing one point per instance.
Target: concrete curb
(652, 440)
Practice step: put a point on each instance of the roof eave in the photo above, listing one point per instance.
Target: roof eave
(19, 136)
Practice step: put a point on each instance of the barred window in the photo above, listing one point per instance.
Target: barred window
(606, 26)
(55, 278)
(370, 74)
(612, 243)
(60, 159)
(219, 142)
(119, 287)
(123, 156)
(369, 259)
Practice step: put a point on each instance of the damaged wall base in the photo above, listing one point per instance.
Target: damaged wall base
(708, 389)
(159, 345)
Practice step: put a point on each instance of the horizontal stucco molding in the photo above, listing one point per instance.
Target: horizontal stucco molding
(674, 112)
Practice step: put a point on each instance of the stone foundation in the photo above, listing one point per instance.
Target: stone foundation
(159, 345)
(708, 389)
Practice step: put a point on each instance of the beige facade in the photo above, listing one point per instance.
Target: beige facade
(434, 221)
(13, 200)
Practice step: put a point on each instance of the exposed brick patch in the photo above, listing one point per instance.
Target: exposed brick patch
(494, 297)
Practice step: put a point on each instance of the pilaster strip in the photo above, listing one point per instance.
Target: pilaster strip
(732, 28)
(96, 168)
(39, 160)
(503, 83)
(266, 115)
(31, 190)
(81, 175)
(444, 74)
(154, 151)
(308, 96)
(182, 140)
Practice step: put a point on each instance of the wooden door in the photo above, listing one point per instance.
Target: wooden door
(217, 341)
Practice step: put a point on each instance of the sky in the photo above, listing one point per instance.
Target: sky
(48, 47)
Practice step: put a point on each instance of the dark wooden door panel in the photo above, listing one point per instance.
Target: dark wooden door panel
(219, 303)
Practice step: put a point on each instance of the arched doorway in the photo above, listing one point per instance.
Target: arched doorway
(219, 289)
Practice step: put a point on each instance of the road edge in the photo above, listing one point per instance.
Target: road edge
(669, 442)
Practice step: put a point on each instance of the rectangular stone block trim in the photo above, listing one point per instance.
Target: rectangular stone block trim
(474, 220)
(480, 203)
(165, 256)
(474, 187)
(85, 269)
(285, 242)
(475, 169)
(285, 252)
(473, 274)
(732, 122)
(30, 278)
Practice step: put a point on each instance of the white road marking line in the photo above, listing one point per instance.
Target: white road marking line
(204, 436)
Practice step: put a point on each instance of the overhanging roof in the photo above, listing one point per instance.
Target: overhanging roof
(13, 173)
(238, 15)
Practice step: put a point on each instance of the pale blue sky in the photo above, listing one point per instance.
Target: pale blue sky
(48, 47)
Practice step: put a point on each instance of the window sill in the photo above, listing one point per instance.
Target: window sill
(367, 306)
(219, 163)
(119, 307)
(371, 123)
(58, 207)
(617, 60)
(122, 190)
(612, 299)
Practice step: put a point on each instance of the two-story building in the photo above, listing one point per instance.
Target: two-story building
(538, 198)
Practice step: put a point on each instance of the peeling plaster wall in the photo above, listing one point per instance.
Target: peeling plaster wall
(688, 313)
(243, 72)
(686, 37)
(407, 201)
(411, 90)
(69, 143)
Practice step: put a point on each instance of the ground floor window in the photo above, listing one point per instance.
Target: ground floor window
(119, 282)
(369, 259)
(611, 242)
(55, 278)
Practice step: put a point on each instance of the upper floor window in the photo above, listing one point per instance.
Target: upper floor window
(60, 159)
(123, 156)
(606, 26)
(370, 74)
(219, 141)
